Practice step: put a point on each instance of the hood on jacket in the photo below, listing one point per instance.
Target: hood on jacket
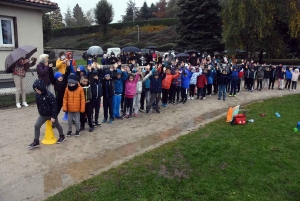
(82, 69)
(40, 85)
(68, 53)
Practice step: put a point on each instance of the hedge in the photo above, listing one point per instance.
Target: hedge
(96, 28)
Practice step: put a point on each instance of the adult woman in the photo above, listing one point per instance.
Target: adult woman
(19, 73)
(45, 72)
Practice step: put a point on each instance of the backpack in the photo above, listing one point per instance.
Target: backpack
(239, 119)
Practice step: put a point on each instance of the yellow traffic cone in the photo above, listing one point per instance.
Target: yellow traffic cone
(49, 134)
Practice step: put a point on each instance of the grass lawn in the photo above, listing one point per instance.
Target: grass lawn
(81, 62)
(257, 161)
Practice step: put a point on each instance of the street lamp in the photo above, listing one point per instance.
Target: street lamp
(138, 32)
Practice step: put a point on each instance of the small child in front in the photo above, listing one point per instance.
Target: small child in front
(74, 104)
(47, 108)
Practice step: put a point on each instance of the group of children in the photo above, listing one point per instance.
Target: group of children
(124, 90)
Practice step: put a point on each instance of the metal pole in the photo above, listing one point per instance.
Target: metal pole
(138, 32)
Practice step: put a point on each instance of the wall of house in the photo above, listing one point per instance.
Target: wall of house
(29, 29)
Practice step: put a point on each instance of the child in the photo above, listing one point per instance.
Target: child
(155, 89)
(295, 77)
(260, 77)
(176, 87)
(73, 103)
(166, 84)
(288, 75)
(222, 82)
(193, 82)
(108, 93)
(185, 84)
(84, 82)
(281, 79)
(139, 88)
(210, 79)
(267, 75)
(130, 91)
(251, 77)
(201, 85)
(46, 105)
(272, 77)
(146, 90)
(59, 88)
(118, 81)
(234, 78)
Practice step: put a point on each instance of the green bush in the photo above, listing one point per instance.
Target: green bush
(166, 47)
(96, 28)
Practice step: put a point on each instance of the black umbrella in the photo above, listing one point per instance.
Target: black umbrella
(152, 47)
(182, 55)
(21, 52)
(131, 49)
(191, 51)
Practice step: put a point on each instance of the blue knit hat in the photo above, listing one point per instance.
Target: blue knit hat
(57, 75)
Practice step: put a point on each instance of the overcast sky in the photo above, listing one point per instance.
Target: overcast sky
(119, 6)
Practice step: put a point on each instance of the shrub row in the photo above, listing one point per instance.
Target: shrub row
(96, 28)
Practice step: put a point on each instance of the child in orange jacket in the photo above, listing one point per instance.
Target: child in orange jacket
(74, 103)
(166, 84)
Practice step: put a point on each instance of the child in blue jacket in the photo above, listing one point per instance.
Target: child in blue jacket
(119, 81)
(288, 76)
(234, 78)
(185, 84)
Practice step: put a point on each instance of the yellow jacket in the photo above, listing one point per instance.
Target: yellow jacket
(61, 67)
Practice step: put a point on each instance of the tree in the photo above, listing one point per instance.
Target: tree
(266, 25)
(161, 9)
(104, 14)
(153, 9)
(79, 17)
(145, 13)
(46, 28)
(69, 20)
(200, 25)
(131, 12)
(56, 19)
(90, 16)
(172, 9)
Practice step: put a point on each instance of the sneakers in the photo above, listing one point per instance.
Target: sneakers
(147, 111)
(230, 95)
(25, 104)
(69, 134)
(157, 111)
(130, 116)
(219, 98)
(35, 144)
(142, 110)
(77, 134)
(104, 120)
(192, 98)
(91, 129)
(294, 90)
(111, 120)
(82, 128)
(184, 102)
(136, 115)
(60, 139)
(18, 105)
(164, 105)
(189, 98)
(97, 124)
(234, 95)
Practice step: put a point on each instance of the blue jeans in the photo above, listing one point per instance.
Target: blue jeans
(116, 105)
(222, 90)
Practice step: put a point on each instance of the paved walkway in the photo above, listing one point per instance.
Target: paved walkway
(36, 174)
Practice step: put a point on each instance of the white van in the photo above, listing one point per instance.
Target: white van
(115, 50)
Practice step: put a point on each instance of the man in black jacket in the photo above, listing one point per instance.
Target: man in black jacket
(46, 105)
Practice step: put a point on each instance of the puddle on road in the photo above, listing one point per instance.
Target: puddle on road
(77, 171)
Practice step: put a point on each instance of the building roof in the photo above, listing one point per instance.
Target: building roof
(45, 5)
(42, 2)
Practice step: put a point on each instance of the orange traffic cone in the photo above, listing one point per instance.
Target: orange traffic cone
(49, 134)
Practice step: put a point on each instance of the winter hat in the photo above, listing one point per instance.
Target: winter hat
(72, 79)
(58, 75)
(119, 71)
(95, 72)
(107, 74)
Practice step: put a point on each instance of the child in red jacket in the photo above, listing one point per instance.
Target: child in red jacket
(201, 84)
(166, 84)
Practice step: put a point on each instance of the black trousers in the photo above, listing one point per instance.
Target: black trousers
(215, 84)
(201, 92)
(165, 94)
(271, 83)
(184, 93)
(96, 108)
(239, 85)
(171, 91)
(88, 113)
(108, 105)
(288, 83)
(259, 83)
(192, 90)
(59, 104)
(209, 89)
(176, 90)
(142, 100)
(128, 104)
(250, 83)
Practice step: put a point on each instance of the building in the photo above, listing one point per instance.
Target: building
(21, 24)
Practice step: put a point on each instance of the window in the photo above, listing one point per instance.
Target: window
(7, 38)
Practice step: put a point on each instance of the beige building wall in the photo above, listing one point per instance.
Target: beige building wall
(30, 29)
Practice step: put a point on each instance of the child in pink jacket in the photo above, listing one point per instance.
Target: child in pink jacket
(130, 91)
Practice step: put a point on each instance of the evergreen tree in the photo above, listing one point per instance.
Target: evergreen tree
(69, 20)
(104, 14)
(145, 13)
(46, 28)
(200, 25)
(79, 17)
(172, 9)
(56, 19)
(153, 9)
(131, 12)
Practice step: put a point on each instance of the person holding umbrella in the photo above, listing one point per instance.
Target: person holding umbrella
(19, 73)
